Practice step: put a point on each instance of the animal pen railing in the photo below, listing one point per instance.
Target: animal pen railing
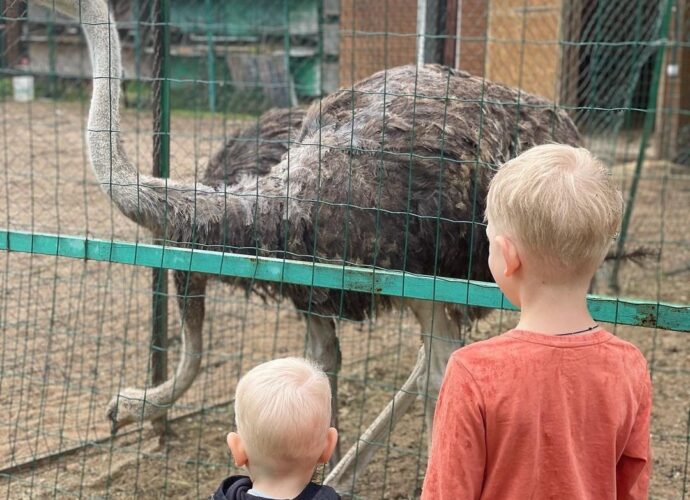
(76, 309)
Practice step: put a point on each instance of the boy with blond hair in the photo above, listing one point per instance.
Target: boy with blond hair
(557, 407)
(283, 415)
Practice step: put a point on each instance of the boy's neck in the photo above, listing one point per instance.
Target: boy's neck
(285, 486)
(554, 309)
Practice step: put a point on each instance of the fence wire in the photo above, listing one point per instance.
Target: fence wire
(76, 315)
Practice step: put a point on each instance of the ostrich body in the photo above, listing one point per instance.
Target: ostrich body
(254, 149)
(390, 173)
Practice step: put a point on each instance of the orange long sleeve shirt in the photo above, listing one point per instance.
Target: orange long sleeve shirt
(531, 416)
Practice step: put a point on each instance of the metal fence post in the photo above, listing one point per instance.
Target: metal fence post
(161, 168)
(646, 132)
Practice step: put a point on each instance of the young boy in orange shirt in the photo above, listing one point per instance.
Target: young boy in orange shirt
(557, 407)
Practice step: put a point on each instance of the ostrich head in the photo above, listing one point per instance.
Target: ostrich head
(131, 406)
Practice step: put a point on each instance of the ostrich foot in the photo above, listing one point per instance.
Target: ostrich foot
(132, 405)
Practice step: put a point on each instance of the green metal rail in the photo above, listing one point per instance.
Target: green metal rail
(608, 309)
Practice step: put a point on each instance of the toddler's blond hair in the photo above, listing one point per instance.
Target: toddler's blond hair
(283, 412)
(560, 203)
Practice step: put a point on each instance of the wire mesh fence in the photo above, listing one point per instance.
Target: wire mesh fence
(77, 310)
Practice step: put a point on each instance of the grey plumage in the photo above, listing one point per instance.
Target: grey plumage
(383, 167)
(390, 173)
(255, 148)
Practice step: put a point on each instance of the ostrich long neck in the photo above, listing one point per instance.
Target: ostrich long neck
(109, 161)
(159, 205)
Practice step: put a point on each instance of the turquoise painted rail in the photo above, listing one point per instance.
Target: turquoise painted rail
(608, 309)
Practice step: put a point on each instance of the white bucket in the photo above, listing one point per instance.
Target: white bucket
(23, 88)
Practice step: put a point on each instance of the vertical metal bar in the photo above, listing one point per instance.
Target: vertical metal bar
(137, 50)
(646, 132)
(687, 454)
(52, 61)
(3, 30)
(321, 23)
(286, 48)
(161, 168)
(430, 13)
(211, 57)
(421, 30)
(164, 79)
(683, 107)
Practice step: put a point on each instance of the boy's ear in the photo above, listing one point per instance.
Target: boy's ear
(511, 257)
(237, 449)
(331, 441)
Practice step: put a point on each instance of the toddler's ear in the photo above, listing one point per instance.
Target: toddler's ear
(329, 445)
(509, 252)
(237, 449)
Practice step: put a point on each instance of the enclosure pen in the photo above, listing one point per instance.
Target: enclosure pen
(312, 176)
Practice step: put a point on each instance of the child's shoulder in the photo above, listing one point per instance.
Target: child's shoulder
(517, 347)
(484, 352)
(629, 353)
(491, 347)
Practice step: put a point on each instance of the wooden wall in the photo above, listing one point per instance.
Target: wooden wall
(523, 48)
(364, 45)
(500, 39)
(473, 31)
(11, 10)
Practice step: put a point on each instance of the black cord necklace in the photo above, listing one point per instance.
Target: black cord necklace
(579, 331)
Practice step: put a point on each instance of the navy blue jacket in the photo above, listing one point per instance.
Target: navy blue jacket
(236, 488)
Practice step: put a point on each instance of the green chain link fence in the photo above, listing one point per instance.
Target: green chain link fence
(81, 319)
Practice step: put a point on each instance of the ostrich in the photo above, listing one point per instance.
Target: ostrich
(253, 150)
(390, 173)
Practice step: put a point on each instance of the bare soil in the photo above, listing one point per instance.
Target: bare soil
(75, 332)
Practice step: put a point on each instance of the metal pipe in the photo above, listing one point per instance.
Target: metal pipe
(211, 58)
(161, 168)
(421, 30)
(458, 33)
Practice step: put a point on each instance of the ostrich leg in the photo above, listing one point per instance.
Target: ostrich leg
(441, 337)
(324, 348)
(343, 475)
(137, 405)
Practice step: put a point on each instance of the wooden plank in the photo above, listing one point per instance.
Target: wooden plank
(331, 8)
(329, 77)
(331, 39)
(264, 72)
(682, 132)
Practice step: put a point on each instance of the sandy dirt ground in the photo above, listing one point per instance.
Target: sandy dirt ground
(75, 332)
